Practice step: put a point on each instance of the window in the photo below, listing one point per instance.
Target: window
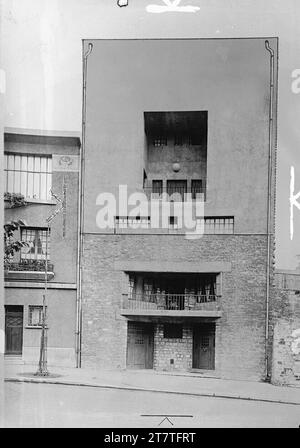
(157, 186)
(160, 141)
(194, 139)
(178, 187)
(173, 331)
(35, 316)
(178, 140)
(196, 188)
(173, 222)
(29, 175)
(36, 239)
(217, 225)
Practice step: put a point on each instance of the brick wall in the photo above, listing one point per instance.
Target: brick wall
(240, 345)
(179, 350)
(286, 328)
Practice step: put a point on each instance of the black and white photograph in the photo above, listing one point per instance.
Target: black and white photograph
(150, 171)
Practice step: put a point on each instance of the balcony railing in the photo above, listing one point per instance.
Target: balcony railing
(171, 302)
(29, 265)
(176, 194)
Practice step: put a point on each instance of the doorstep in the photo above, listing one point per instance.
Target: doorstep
(192, 373)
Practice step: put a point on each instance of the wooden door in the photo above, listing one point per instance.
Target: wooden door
(139, 346)
(13, 330)
(204, 348)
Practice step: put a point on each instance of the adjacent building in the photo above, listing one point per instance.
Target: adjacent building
(179, 121)
(42, 167)
(286, 327)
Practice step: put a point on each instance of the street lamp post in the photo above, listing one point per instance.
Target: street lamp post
(43, 368)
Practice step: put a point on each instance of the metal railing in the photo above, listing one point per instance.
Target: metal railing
(176, 193)
(164, 301)
(29, 265)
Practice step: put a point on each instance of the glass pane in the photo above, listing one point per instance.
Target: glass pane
(30, 163)
(24, 183)
(10, 181)
(49, 164)
(43, 191)
(24, 163)
(49, 185)
(30, 185)
(43, 164)
(11, 162)
(37, 164)
(17, 162)
(36, 185)
(17, 182)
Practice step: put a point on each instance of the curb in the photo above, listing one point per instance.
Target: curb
(144, 389)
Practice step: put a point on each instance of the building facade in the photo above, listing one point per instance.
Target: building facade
(180, 121)
(286, 328)
(42, 167)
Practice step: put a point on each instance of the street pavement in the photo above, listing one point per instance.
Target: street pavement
(183, 384)
(43, 405)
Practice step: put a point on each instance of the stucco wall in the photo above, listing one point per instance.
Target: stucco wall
(61, 316)
(63, 250)
(229, 78)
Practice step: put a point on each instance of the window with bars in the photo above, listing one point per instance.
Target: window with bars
(172, 331)
(178, 140)
(36, 248)
(157, 186)
(176, 187)
(217, 225)
(29, 175)
(196, 187)
(35, 316)
(160, 141)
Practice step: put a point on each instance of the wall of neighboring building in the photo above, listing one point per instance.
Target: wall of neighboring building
(2, 318)
(61, 317)
(63, 248)
(286, 327)
(61, 295)
(240, 346)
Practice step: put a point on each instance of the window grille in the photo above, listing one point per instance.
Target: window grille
(217, 225)
(160, 141)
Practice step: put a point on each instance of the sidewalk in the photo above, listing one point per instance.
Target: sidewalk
(187, 384)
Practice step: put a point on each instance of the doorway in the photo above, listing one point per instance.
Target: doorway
(13, 330)
(140, 345)
(204, 347)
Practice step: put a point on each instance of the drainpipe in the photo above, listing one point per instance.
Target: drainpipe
(80, 215)
(269, 204)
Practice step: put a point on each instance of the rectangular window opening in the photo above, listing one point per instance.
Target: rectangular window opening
(172, 331)
(29, 175)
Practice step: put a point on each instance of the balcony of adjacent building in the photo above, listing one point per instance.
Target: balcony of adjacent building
(177, 295)
(32, 262)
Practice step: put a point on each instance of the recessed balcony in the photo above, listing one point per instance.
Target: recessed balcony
(177, 305)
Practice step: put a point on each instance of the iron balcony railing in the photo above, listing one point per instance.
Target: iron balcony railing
(163, 301)
(176, 194)
(29, 265)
